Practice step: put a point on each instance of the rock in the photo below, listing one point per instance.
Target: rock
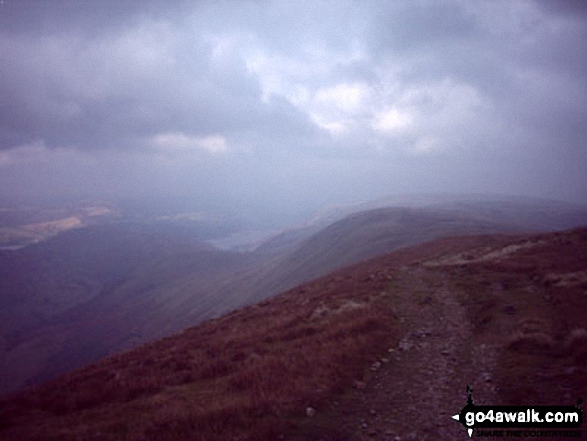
(385, 360)
(360, 385)
(405, 345)
(426, 300)
(375, 366)
(570, 370)
(310, 412)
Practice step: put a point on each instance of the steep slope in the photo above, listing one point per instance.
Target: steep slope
(381, 349)
(88, 292)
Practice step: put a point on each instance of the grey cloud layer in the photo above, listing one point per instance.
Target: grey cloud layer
(115, 90)
(431, 88)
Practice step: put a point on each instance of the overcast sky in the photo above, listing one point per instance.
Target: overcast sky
(287, 105)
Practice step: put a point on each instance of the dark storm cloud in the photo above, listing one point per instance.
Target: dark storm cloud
(241, 97)
(576, 8)
(116, 81)
(34, 17)
(403, 27)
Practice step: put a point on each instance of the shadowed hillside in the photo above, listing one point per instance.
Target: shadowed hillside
(88, 292)
(384, 348)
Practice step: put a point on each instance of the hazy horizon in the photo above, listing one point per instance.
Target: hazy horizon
(280, 108)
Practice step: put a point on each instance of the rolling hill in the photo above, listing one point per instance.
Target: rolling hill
(383, 348)
(297, 256)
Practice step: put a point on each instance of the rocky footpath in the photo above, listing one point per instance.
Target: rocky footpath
(412, 391)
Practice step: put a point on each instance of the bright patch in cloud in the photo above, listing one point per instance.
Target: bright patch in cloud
(334, 127)
(335, 108)
(278, 75)
(343, 97)
(392, 120)
(178, 141)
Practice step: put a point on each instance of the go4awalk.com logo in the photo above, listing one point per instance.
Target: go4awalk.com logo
(516, 421)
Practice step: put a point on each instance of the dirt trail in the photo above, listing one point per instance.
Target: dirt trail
(421, 382)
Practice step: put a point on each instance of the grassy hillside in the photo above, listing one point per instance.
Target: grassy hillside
(383, 348)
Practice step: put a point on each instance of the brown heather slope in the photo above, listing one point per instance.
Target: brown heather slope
(380, 350)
